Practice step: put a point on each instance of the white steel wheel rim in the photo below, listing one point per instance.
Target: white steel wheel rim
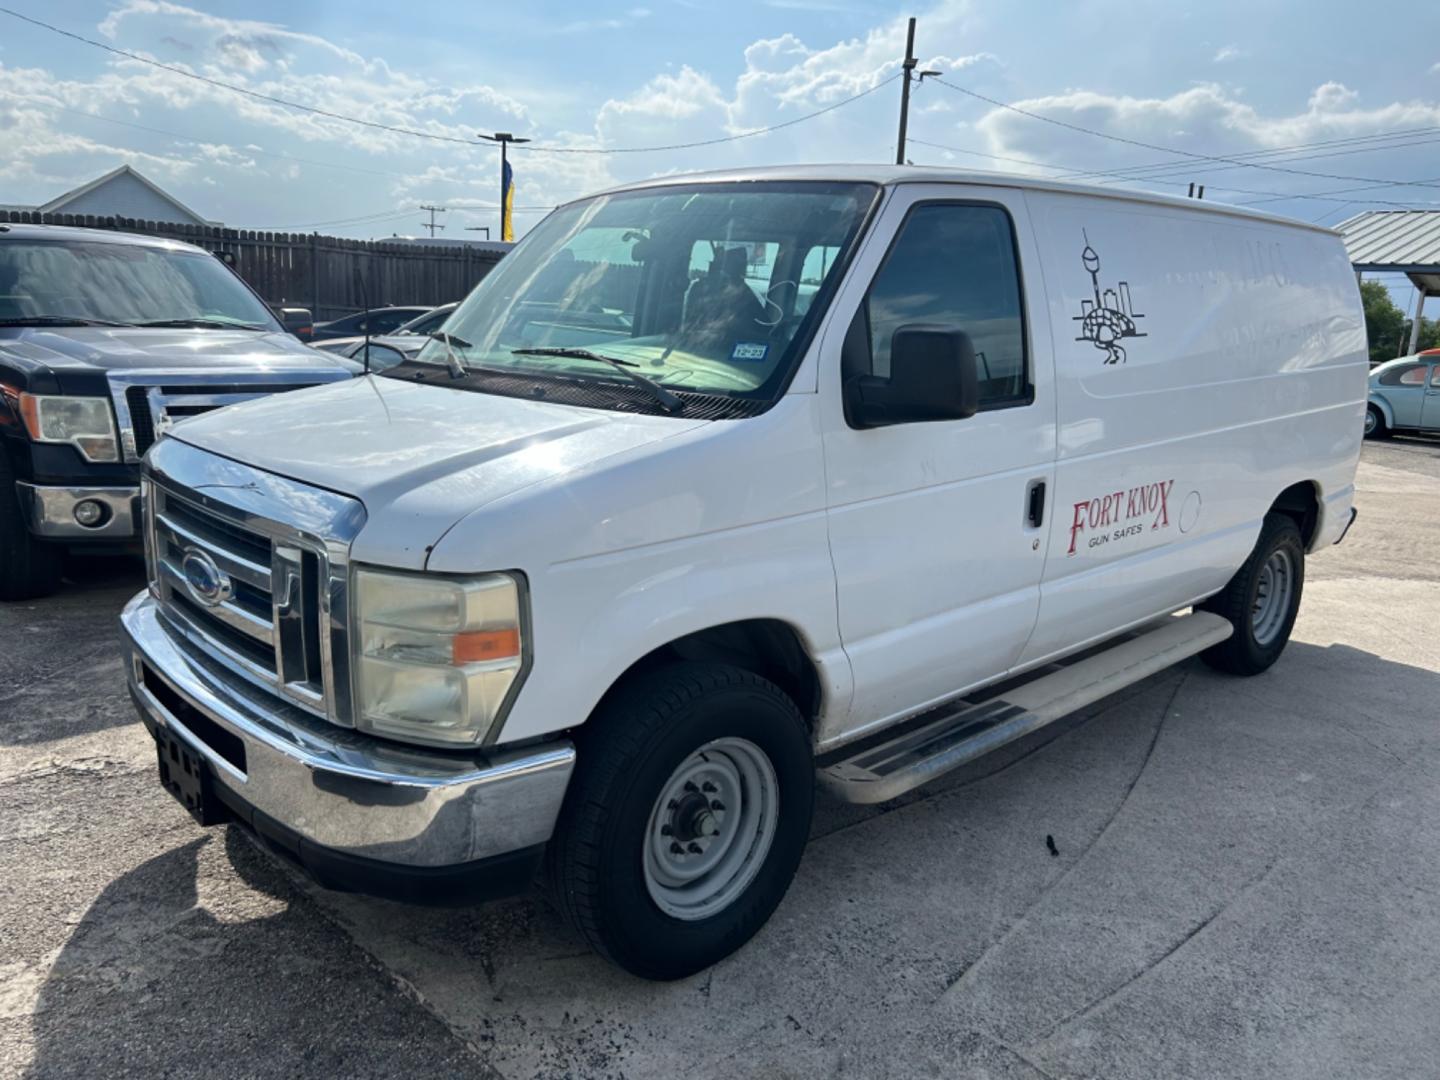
(1370, 421)
(1272, 597)
(710, 829)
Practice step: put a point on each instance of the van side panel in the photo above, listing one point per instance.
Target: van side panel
(1204, 363)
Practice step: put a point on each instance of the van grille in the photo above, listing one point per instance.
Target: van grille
(267, 623)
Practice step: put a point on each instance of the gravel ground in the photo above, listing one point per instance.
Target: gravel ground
(1247, 884)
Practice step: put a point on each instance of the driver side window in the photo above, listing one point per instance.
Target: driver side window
(955, 265)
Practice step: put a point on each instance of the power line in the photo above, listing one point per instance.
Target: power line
(1171, 150)
(397, 130)
(255, 150)
(540, 149)
(1068, 174)
(1171, 167)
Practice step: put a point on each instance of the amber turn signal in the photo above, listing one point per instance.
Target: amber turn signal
(474, 646)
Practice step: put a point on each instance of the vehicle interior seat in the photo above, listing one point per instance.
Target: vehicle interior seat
(720, 308)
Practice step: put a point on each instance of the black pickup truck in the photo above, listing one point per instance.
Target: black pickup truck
(107, 339)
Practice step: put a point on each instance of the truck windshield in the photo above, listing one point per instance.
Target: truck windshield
(702, 288)
(51, 281)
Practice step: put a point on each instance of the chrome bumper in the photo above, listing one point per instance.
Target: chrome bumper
(354, 796)
(50, 511)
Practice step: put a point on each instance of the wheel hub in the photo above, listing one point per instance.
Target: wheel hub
(710, 828)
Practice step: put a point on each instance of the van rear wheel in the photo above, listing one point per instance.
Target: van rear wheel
(686, 819)
(1261, 601)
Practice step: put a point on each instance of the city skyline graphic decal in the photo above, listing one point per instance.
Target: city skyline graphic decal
(1110, 316)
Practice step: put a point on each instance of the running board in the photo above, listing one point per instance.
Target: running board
(914, 752)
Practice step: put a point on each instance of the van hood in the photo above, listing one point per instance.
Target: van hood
(418, 457)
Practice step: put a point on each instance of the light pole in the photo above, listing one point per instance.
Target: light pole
(504, 138)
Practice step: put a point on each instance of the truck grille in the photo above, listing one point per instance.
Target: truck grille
(264, 597)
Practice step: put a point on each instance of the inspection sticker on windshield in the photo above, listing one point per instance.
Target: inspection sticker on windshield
(749, 350)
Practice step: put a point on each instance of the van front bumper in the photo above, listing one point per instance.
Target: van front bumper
(357, 813)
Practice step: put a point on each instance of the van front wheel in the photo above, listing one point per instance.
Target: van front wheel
(1261, 600)
(686, 819)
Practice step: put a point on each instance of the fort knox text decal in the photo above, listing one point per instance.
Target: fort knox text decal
(1120, 515)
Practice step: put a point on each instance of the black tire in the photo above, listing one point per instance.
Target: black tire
(1379, 430)
(627, 752)
(28, 568)
(1242, 653)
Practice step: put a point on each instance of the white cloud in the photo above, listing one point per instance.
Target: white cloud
(1229, 52)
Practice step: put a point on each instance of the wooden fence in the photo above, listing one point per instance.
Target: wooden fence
(313, 271)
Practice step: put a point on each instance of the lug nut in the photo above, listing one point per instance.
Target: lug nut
(676, 849)
(716, 804)
(694, 848)
(707, 787)
(689, 785)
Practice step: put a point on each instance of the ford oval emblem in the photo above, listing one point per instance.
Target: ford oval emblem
(205, 581)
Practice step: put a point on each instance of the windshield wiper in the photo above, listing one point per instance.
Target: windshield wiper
(59, 320)
(200, 324)
(457, 369)
(668, 401)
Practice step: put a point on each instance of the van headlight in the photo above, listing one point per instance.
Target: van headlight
(84, 422)
(436, 658)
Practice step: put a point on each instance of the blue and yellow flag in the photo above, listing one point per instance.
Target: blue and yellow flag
(507, 202)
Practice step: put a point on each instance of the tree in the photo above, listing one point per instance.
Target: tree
(1385, 324)
(1387, 327)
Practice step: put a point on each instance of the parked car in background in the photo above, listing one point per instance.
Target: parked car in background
(384, 320)
(654, 543)
(106, 340)
(387, 350)
(1404, 395)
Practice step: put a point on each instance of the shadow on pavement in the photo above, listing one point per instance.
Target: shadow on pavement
(238, 977)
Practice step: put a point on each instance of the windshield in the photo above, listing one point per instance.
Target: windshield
(704, 288)
(124, 283)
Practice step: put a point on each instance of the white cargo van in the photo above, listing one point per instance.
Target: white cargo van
(720, 487)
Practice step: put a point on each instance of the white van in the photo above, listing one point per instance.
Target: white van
(722, 486)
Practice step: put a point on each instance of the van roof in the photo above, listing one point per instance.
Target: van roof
(891, 175)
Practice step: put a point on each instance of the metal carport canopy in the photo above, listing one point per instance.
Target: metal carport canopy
(1404, 241)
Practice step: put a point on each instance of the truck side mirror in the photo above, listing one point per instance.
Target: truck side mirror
(297, 320)
(932, 377)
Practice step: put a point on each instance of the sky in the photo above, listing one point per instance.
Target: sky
(1219, 79)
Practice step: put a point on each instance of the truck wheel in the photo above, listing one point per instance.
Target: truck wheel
(1261, 600)
(28, 568)
(686, 818)
(1375, 426)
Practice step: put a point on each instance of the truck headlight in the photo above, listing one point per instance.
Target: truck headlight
(84, 422)
(436, 657)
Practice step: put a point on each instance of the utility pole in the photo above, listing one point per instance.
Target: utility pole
(906, 69)
(431, 225)
(479, 228)
(504, 138)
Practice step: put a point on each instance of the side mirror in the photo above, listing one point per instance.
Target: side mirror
(932, 377)
(297, 320)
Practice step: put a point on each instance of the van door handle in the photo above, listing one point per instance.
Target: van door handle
(1035, 506)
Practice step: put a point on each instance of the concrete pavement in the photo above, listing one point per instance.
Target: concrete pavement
(1247, 884)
